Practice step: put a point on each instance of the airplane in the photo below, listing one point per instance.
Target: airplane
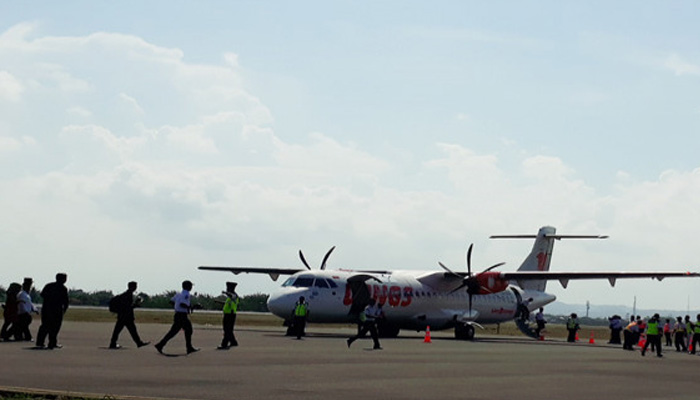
(440, 299)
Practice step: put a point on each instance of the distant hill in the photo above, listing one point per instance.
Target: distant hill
(604, 311)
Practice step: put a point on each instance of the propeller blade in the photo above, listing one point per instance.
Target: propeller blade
(301, 255)
(469, 259)
(323, 264)
(447, 269)
(459, 288)
(470, 304)
(492, 267)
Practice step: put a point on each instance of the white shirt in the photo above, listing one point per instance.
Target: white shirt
(24, 305)
(182, 298)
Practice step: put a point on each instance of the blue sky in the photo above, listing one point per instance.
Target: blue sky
(139, 140)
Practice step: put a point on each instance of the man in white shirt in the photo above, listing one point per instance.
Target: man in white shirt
(181, 320)
(25, 308)
(372, 312)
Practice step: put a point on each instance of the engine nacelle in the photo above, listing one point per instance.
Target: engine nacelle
(491, 282)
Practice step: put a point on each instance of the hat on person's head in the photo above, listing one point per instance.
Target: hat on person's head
(231, 286)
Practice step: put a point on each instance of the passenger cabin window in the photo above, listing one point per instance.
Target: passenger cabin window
(304, 281)
(288, 282)
(321, 283)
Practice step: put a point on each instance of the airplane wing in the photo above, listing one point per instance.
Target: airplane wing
(273, 272)
(612, 277)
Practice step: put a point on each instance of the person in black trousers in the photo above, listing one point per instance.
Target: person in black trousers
(124, 306)
(55, 304)
(181, 320)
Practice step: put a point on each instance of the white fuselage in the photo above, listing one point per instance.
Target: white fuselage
(408, 303)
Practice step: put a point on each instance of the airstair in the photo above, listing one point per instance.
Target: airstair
(525, 328)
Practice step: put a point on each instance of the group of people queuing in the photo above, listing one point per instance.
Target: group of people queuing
(683, 333)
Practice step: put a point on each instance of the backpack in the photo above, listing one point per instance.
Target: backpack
(115, 304)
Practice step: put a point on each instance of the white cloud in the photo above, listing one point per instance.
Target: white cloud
(10, 87)
(681, 67)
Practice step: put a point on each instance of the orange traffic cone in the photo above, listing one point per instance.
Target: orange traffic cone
(690, 348)
(541, 338)
(591, 340)
(427, 335)
(642, 340)
(576, 338)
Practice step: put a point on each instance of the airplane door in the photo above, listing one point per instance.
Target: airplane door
(360, 293)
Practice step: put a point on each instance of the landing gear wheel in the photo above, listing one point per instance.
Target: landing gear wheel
(464, 332)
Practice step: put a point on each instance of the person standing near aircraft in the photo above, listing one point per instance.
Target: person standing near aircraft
(25, 308)
(539, 319)
(688, 332)
(230, 311)
(299, 315)
(572, 326)
(372, 312)
(653, 336)
(667, 332)
(696, 335)
(181, 320)
(630, 333)
(615, 328)
(124, 305)
(679, 334)
(525, 310)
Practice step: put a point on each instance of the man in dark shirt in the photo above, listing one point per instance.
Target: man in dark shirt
(125, 316)
(55, 304)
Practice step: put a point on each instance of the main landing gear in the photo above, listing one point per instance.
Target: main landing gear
(464, 332)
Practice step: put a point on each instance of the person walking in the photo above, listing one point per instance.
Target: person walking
(124, 305)
(541, 322)
(55, 305)
(181, 321)
(679, 334)
(572, 326)
(371, 313)
(25, 308)
(230, 311)
(653, 332)
(299, 315)
(9, 313)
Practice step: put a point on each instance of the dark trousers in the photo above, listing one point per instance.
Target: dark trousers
(229, 338)
(367, 326)
(50, 325)
(655, 341)
(615, 336)
(540, 327)
(629, 340)
(180, 321)
(572, 335)
(299, 326)
(8, 329)
(669, 342)
(23, 322)
(679, 339)
(128, 323)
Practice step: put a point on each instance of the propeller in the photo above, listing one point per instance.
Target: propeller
(470, 281)
(323, 263)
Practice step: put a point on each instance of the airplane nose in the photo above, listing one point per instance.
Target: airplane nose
(282, 304)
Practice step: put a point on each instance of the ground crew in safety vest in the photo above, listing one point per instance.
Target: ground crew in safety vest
(230, 311)
(299, 315)
(696, 335)
(653, 331)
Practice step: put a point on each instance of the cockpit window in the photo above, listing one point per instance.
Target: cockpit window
(331, 283)
(288, 282)
(321, 283)
(304, 281)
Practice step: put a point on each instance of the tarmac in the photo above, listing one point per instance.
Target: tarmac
(268, 365)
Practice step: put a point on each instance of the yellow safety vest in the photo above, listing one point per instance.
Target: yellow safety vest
(652, 328)
(696, 327)
(231, 305)
(300, 310)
